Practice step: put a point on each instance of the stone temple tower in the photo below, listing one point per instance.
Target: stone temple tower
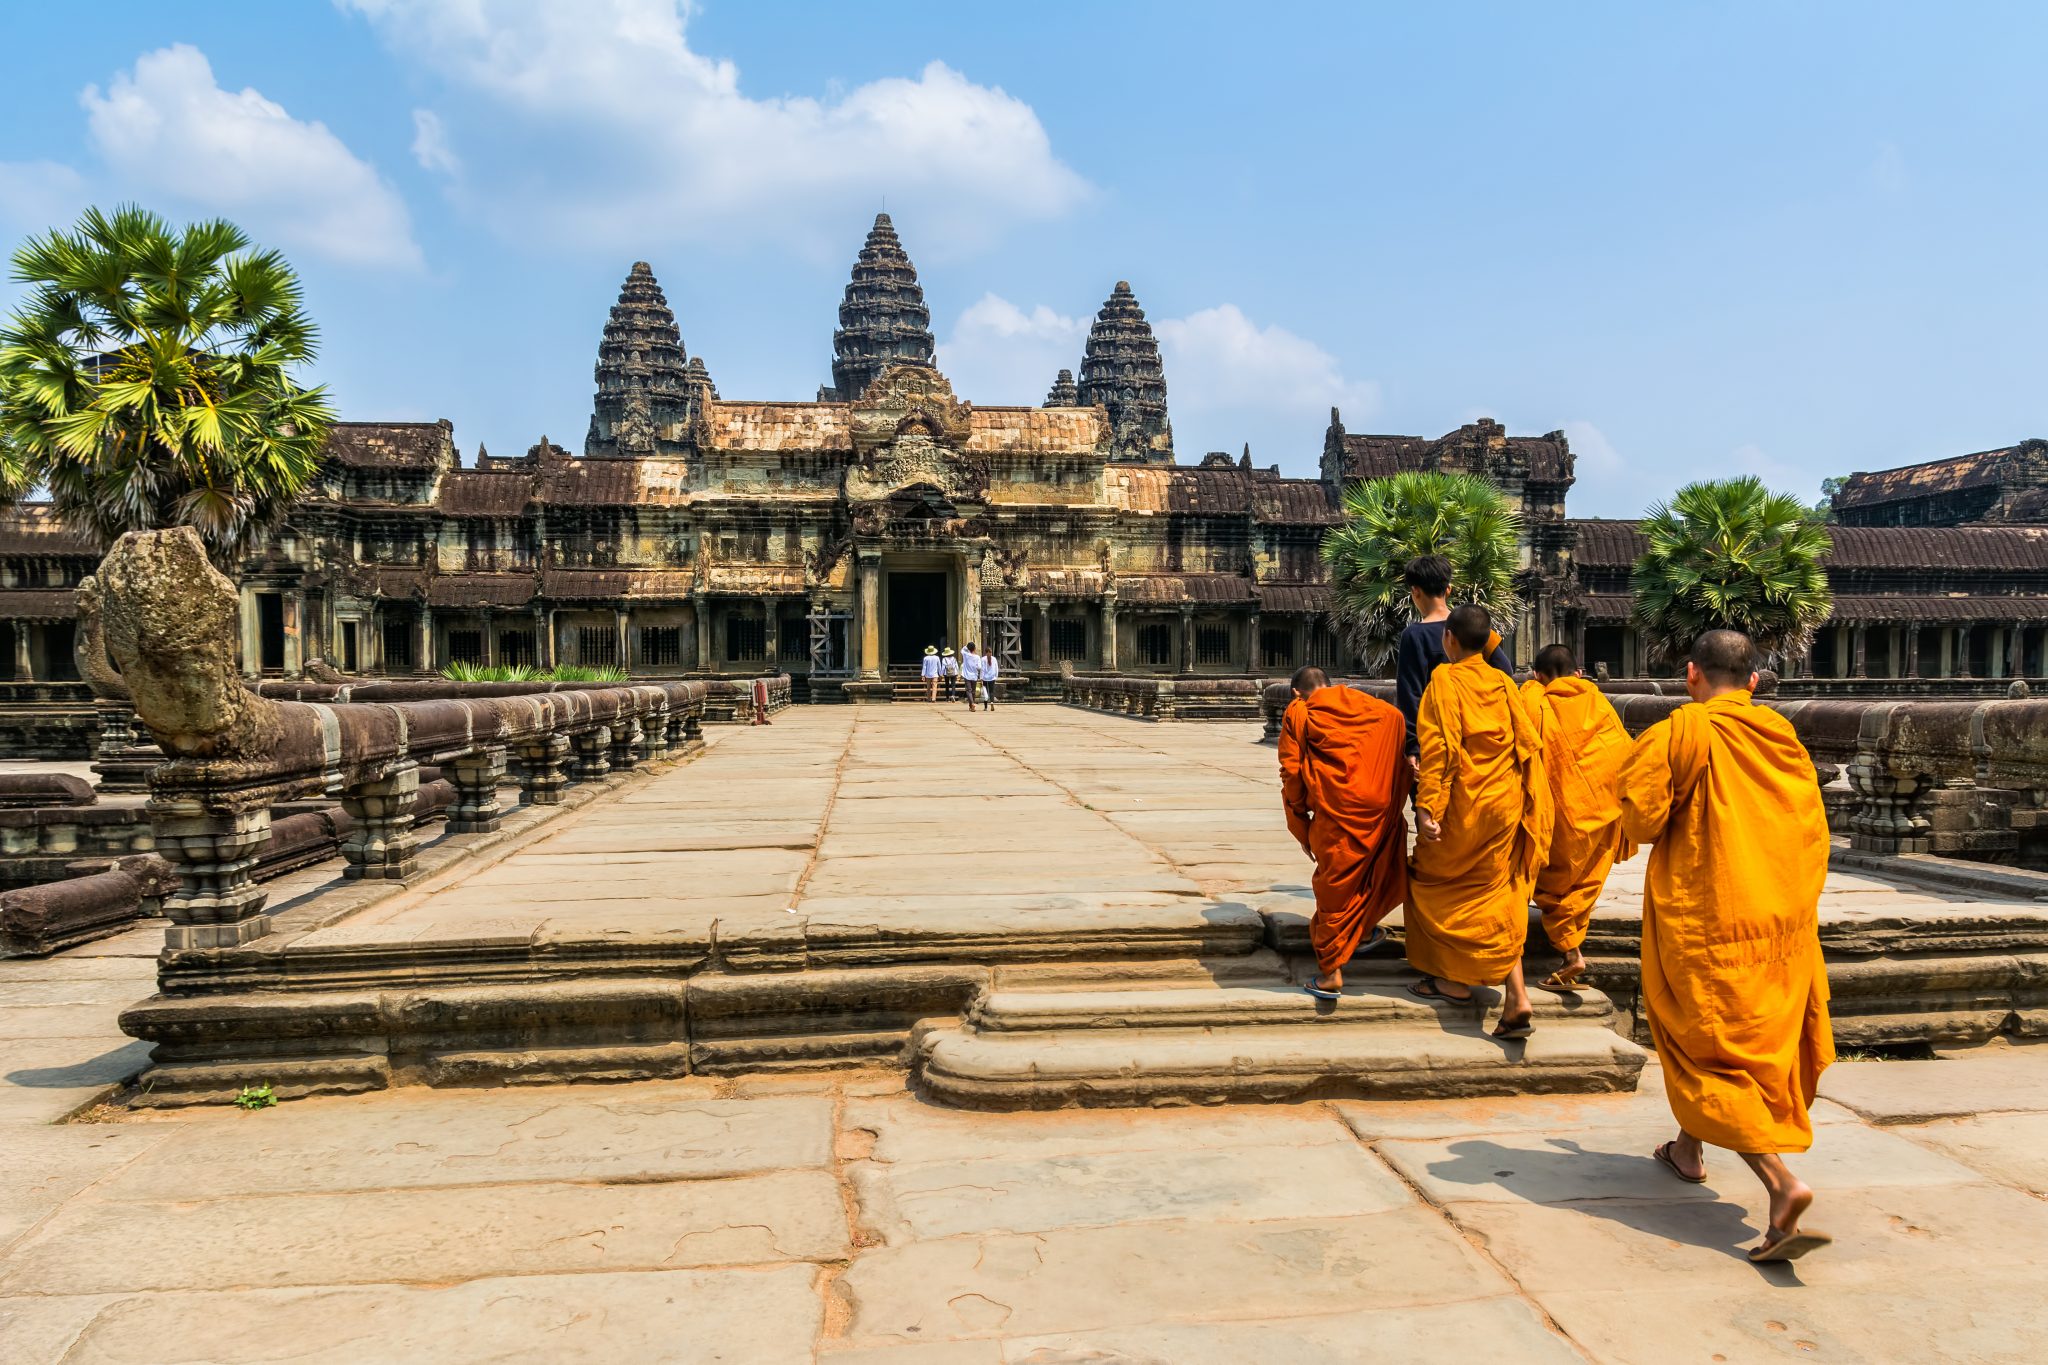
(883, 320)
(643, 385)
(1063, 394)
(1121, 371)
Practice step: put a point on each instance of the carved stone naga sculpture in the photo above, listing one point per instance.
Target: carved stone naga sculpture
(169, 621)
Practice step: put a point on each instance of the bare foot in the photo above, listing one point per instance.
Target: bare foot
(1333, 982)
(1789, 1205)
(1445, 989)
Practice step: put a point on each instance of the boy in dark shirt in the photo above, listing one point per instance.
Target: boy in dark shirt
(1422, 644)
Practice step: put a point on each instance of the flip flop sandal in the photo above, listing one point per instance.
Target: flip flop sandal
(1561, 980)
(1373, 940)
(1670, 1163)
(1425, 989)
(1509, 1030)
(1322, 993)
(1787, 1246)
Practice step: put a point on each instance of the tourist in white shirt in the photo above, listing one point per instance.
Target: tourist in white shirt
(929, 671)
(970, 671)
(989, 671)
(949, 669)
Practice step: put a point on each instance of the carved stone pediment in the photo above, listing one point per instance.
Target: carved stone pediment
(909, 431)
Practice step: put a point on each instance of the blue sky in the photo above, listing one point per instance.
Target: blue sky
(1701, 239)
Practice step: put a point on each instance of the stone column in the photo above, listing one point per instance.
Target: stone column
(213, 848)
(700, 626)
(868, 569)
(1962, 652)
(476, 777)
(625, 642)
(592, 747)
(383, 846)
(693, 727)
(2016, 636)
(1041, 640)
(490, 629)
(1254, 661)
(541, 769)
(24, 657)
(1187, 640)
(426, 660)
(1946, 664)
(544, 636)
(1858, 645)
(293, 609)
(1913, 650)
(1109, 633)
(654, 734)
(771, 633)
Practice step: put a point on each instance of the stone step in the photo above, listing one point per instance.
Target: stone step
(1260, 967)
(1365, 1004)
(1152, 1066)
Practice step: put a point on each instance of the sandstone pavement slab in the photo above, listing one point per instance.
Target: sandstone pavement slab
(913, 1201)
(427, 1235)
(1091, 1278)
(414, 1140)
(45, 1080)
(911, 1130)
(47, 1165)
(685, 1317)
(2002, 1079)
(2011, 1149)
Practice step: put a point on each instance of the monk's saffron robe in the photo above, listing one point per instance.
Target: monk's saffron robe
(1344, 783)
(1733, 984)
(1480, 777)
(1584, 745)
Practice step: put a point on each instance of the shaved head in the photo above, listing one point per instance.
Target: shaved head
(1470, 626)
(1555, 661)
(1308, 679)
(1724, 657)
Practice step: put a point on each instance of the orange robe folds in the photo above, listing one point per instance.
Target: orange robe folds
(1480, 777)
(1584, 745)
(1344, 781)
(1733, 982)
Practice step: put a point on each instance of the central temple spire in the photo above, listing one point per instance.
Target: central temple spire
(883, 320)
(1121, 371)
(643, 395)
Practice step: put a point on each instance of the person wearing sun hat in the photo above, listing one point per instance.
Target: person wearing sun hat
(929, 671)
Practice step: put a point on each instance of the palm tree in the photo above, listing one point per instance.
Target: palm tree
(146, 380)
(1388, 522)
(1731, 553)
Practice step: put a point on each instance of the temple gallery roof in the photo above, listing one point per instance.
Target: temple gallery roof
(32, 528)
(392, 445)
(1615, 544)
(1980, 469)
(1482, 447)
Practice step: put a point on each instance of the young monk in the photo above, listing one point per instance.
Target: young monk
(1583, 748)
(1733, 982)
(1344, 783)
(1483, 816)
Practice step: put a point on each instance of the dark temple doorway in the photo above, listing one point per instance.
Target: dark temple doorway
(916, 616)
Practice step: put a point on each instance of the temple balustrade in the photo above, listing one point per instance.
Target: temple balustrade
(1163, 698)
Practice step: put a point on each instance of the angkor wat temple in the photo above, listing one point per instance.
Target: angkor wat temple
(835, 539)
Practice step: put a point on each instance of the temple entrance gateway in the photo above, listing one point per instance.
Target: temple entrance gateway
(916, 615)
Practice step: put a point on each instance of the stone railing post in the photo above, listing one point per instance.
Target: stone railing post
(591, 747)
(476, 777)
(384, 845)
(693, 727)
(656, 730)
(213, 845)
(627, 737)
(1163, 701)
(542, 769)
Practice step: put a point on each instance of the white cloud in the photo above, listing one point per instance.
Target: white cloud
(998, 353)
(600, 122)
(1228, 380)
(166, 130)
(430, 143)
(1224, 360)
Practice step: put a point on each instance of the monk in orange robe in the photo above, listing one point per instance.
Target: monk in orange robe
(1733, 983)
(1584, 744)
(1344, 783)
(1483, 817)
